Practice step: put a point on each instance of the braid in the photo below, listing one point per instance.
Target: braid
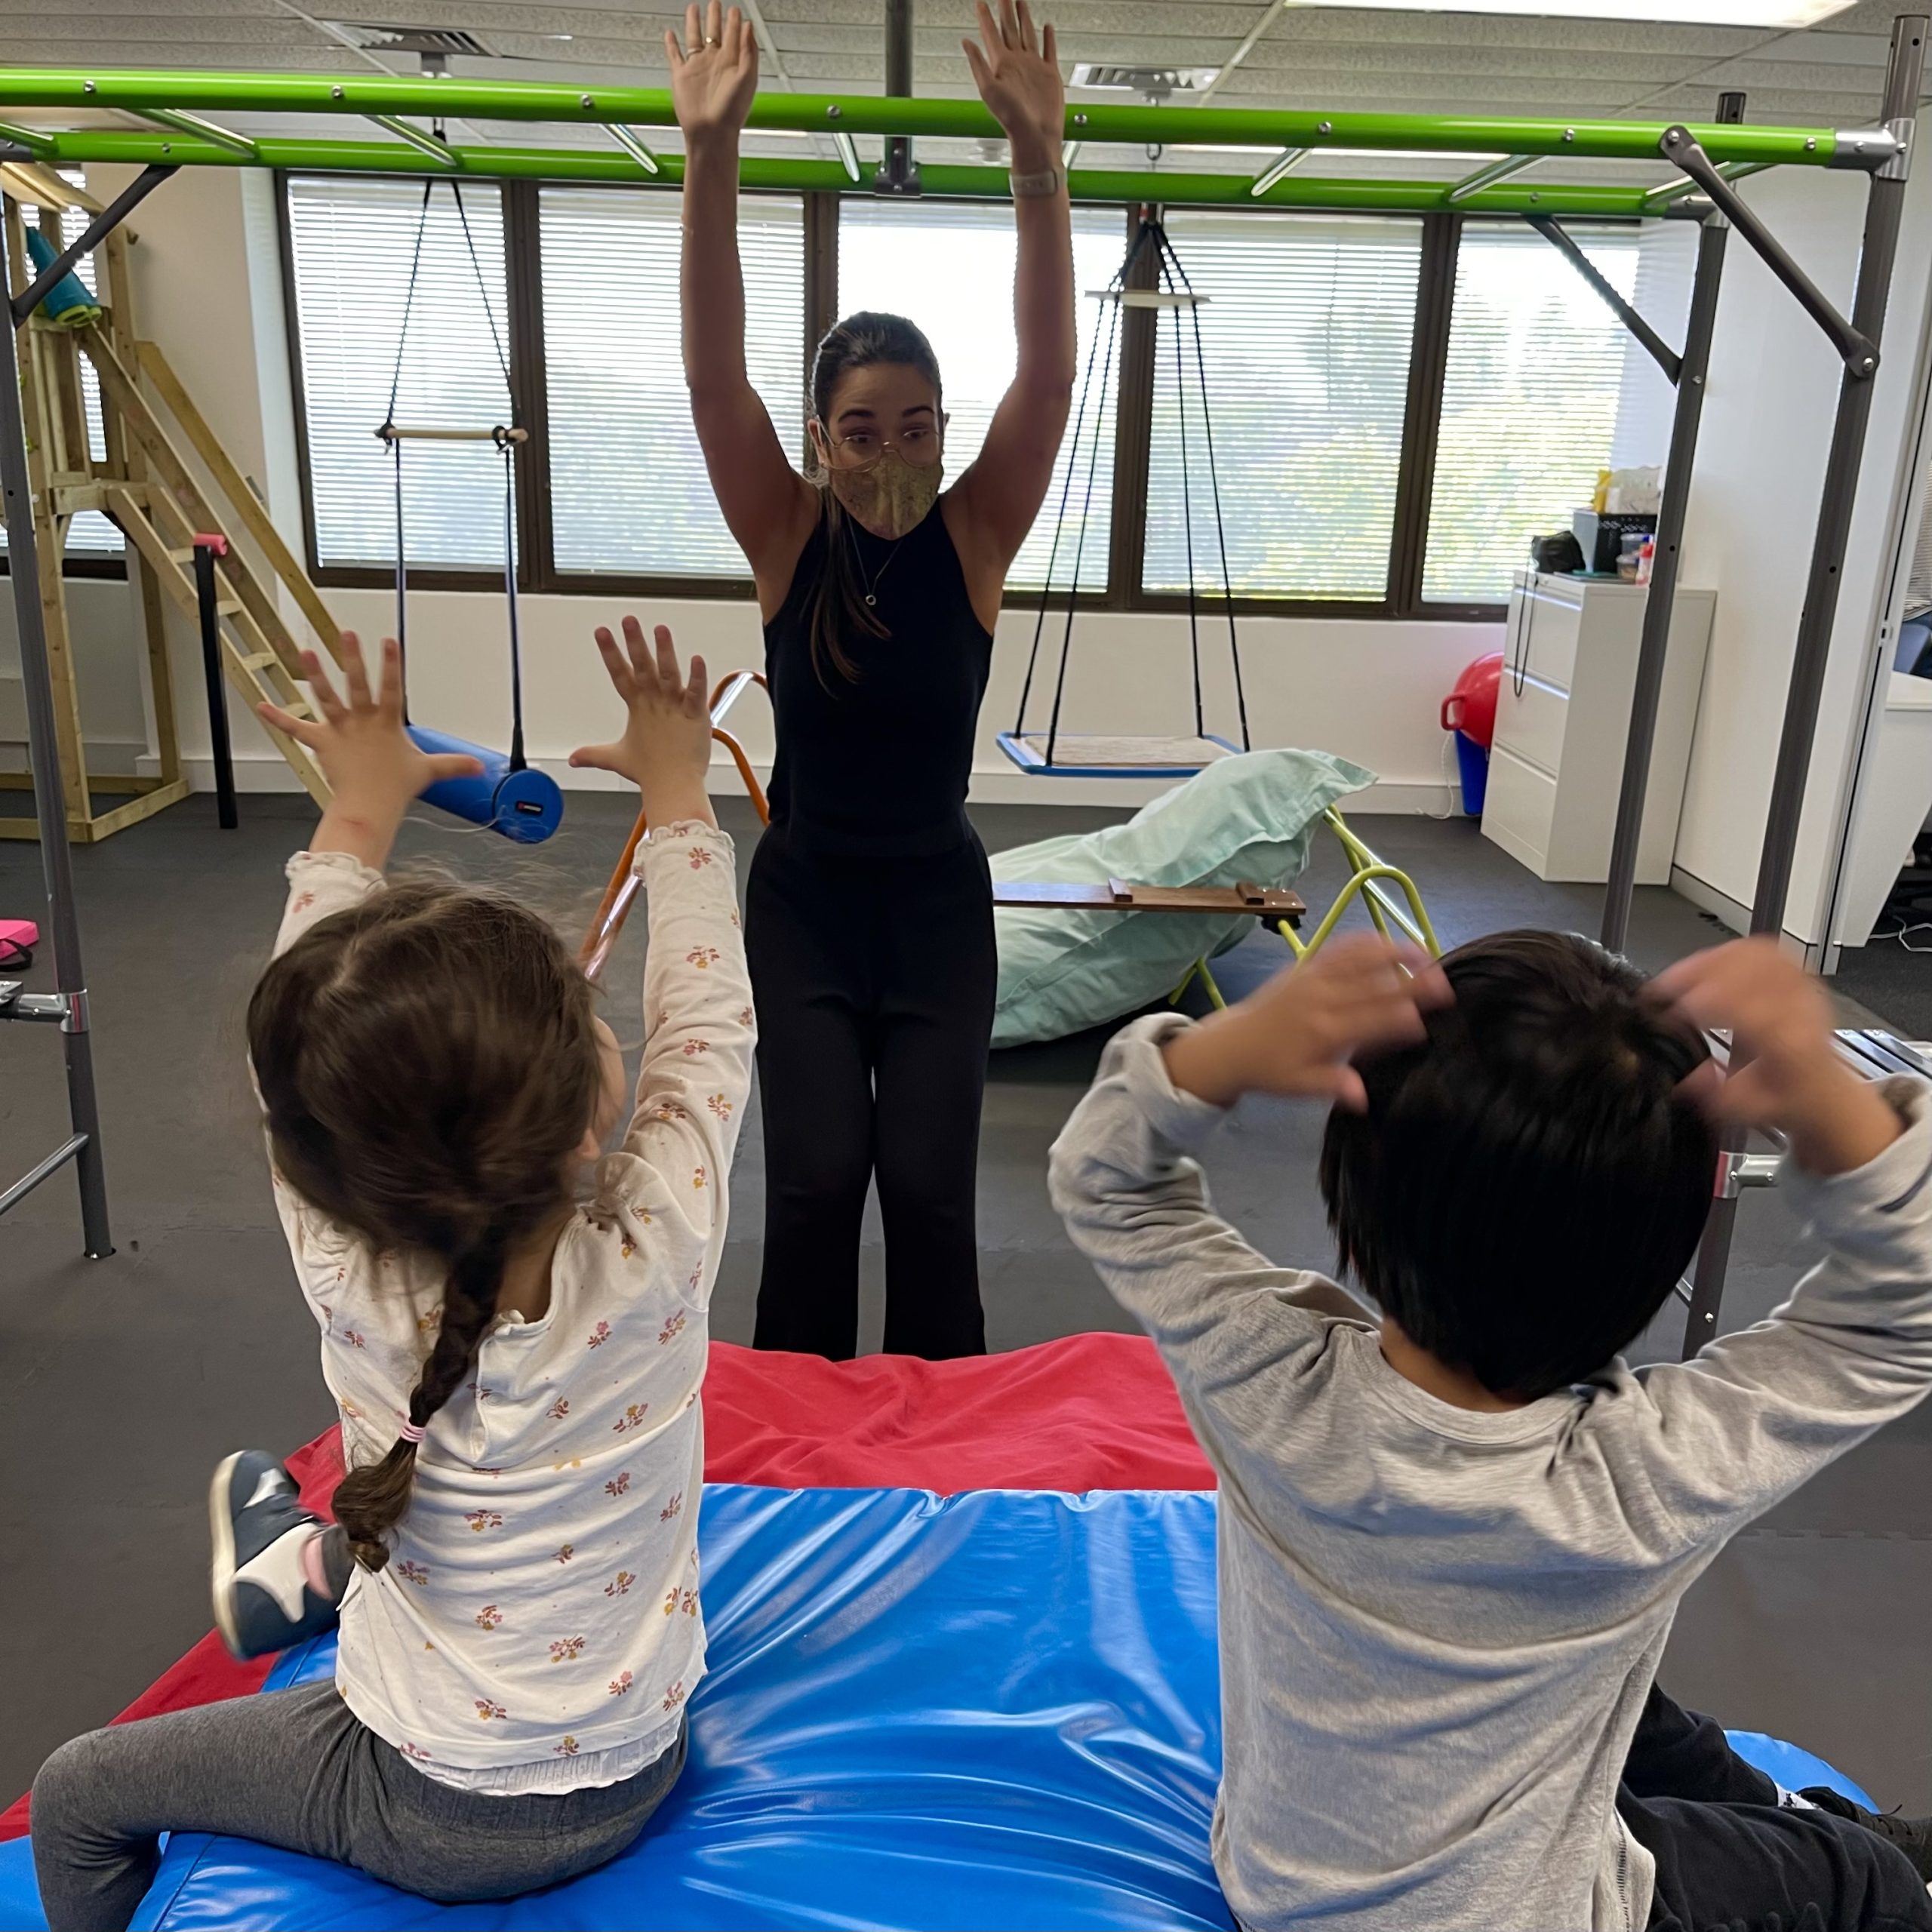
(428, 1062)
(370, 1501)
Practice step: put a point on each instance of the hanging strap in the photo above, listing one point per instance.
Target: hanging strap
(395, 452)
(506, 443)
(1168, 282)
(1060, 516)
(1118, 288)
(500, 435)
(1214, 483)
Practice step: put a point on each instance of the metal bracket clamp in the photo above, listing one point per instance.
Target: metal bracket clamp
(1873, 149)
(1899, 167)
(1736, 1172)
(68, 1011)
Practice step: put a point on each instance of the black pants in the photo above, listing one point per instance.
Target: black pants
(1729, 1858)
(874, 980)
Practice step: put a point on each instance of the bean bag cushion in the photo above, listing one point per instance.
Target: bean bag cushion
(1247, 818)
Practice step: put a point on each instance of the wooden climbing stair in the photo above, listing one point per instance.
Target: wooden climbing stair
(150, 484)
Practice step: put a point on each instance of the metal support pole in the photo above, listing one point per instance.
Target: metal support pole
(1660, 605)
(1653, 345)
(206, 550)
(901, 173)
(97, 230)
(1879, 245)
(1884, 204)
(50, 805)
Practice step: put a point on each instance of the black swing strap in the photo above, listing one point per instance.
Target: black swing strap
(1214, 483)
(1065, 489)
(387, 432)
(506, 443)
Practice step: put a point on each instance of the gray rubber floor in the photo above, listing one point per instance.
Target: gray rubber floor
(122, 1381)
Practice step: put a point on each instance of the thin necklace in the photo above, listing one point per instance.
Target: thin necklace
(871, 583)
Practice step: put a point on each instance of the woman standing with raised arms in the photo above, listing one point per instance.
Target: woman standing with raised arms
(869, 912)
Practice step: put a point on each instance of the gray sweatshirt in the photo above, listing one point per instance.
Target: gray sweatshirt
(1439, 1627)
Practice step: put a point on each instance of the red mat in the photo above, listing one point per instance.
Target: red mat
(1087, 1412)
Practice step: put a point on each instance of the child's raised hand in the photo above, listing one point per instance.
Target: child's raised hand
(1789, 1074)
(1296, 1035)
(665, 749)
(374, 767)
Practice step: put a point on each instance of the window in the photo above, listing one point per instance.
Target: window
(352, 241)
(628, 488)
(1544, 388)
(951, 270)
(1306, 333)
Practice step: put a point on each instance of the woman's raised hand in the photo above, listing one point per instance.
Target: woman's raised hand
(714, 74)
(1017, 73)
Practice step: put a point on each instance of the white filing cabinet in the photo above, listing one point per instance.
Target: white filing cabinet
(1563, 717)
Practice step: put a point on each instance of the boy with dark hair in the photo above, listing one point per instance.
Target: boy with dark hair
(1452, 1541)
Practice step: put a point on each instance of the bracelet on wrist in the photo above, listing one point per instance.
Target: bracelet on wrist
(1048, 181)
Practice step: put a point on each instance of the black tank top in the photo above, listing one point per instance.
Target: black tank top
(878, 765)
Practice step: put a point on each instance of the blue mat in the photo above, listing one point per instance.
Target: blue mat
(998, 1709)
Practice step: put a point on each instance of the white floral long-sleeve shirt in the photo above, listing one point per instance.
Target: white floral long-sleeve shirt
(538, 1626)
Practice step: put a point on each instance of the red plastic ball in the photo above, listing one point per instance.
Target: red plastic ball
(1470, 708)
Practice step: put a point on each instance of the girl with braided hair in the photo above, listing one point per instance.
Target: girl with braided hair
(514, 1328)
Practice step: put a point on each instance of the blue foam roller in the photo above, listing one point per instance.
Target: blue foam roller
(526, 805)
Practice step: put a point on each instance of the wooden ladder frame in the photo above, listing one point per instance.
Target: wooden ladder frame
(146, 483)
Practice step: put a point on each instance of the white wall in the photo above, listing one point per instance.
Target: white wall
(1760, 458)
(103, 624)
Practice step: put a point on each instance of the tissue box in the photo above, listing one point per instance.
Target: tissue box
(1601, 536)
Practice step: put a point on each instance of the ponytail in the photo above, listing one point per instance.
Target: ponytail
(369, 1502)
(838, 603)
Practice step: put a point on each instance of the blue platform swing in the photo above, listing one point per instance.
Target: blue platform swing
(1151, 276)
(506, 796)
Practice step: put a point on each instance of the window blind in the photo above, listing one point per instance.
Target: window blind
(950, 269)
(1544, 387)
(352, 241)
(1306, 336)
(89, 533)
(628, 488)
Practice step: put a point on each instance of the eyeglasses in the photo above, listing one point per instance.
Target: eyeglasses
(918, 445)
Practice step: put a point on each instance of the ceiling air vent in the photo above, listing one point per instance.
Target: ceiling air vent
(1155, 82)
(394, 39)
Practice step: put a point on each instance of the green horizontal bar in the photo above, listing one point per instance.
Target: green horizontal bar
(137, 88)
(803, 176)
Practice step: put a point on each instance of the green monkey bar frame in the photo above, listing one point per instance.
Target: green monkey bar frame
(1711, 158)
(184, 139)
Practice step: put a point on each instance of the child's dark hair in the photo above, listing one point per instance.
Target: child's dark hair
(838, 598)
(1527, 1185)
(427, 1063)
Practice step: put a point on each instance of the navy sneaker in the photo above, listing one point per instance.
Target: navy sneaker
(263, 1598)
(1913, 1836)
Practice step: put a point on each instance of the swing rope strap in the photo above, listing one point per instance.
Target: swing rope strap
(506, 441)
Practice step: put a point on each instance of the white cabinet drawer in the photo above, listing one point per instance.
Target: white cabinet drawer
(1530, 722)
(1519, 807)
(1542, 640)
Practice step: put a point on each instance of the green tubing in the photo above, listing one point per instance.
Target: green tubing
(140, 88)
(804, 177)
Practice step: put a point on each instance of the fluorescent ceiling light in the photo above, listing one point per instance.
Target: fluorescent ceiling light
(1684, 12)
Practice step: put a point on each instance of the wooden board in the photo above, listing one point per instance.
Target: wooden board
(1119, 896)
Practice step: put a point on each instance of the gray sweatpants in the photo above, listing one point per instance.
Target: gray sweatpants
(293, 1769)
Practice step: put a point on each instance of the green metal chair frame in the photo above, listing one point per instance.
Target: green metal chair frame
(1370, 882)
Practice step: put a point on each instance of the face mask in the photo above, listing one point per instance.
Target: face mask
(890, 498)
